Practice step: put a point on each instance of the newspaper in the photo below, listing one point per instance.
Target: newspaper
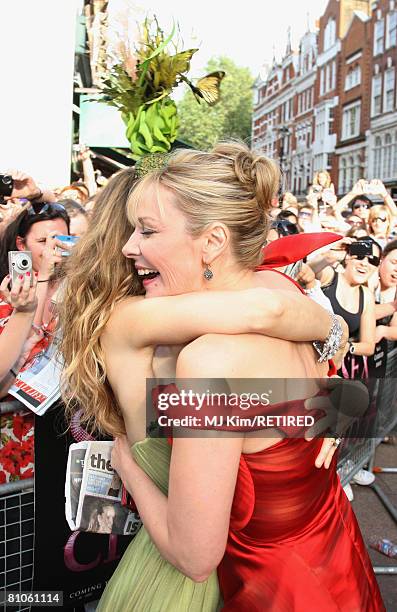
(93, 492)
(38, 386)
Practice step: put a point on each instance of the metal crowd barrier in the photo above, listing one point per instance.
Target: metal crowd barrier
(17, 498)
(16, 528)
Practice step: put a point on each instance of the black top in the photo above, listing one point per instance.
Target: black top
(352, 318)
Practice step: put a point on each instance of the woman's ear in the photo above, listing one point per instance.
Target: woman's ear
(216, 240)
(20, 243)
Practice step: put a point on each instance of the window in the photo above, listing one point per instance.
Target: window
(353, 78)
(378, 36)
(376, 102)
(388, 154)
(329, 34)
(391, 31)
(328, 77)
(351, 121)
(357, 169)
(378, 157)
(342, 175)
(333, 77)
(395, 154)
(322, 89)
(388, 96)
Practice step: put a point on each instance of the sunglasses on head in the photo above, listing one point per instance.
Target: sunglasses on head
(374, 260)
(44, 208)
(363, 205)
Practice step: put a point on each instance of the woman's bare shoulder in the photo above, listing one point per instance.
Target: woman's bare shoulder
(219, 355)
(125, 310)
(271, 279)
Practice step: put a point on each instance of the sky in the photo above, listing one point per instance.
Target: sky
(246, 32)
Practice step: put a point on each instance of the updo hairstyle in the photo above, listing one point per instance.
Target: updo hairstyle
(229, 184)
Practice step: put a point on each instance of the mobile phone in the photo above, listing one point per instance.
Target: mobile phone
(361, 248)
(6, 185)
(71, 240)
(19, 262)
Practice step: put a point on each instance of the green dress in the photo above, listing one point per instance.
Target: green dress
(144, 581)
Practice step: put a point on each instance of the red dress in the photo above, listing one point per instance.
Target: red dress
(294, 544)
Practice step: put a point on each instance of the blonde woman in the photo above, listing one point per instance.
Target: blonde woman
(380, 224)
(201, 237)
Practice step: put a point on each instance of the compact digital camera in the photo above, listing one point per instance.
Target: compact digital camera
(20, 262)
(6, 185)
(361, 248)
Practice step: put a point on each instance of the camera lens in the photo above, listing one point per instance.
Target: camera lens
(24, 263)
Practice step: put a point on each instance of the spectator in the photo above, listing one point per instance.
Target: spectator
(308, 219)
(355, 221)
(34, 230)
(289, 200)
(76, 191)
(78, 217)
(386, 295)
(380, 224)
(288, 215)
(357, 231)
(351, 299)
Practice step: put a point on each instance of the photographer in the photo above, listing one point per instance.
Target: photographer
(358, 198)
(17, 190)
(351, 299)
(34, 230)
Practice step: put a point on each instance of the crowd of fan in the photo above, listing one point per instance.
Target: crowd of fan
(359, 284)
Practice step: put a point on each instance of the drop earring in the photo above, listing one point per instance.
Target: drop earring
(208, 274)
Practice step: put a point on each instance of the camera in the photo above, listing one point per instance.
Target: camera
(370, 188)
(361, 248)
(70, 240)
(6, 185)
(19, 262)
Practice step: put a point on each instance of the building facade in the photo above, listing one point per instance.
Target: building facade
(343, 116)
(382, 135)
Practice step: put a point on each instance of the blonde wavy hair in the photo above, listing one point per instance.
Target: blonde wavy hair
(98, 277)
(230, 184)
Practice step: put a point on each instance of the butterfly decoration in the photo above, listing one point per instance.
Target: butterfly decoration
(208, 87)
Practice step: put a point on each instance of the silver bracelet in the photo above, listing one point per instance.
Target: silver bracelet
(333, 342)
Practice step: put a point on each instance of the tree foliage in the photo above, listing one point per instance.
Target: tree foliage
(202, 126)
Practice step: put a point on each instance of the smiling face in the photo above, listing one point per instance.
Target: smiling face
(358, 271)
(388, 270)
(167, 258)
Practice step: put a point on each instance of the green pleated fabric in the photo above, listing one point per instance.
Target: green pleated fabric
(144, 581)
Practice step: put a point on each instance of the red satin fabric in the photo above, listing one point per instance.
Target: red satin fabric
(294, 544)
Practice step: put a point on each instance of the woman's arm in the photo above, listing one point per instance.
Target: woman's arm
(179, 319)
(366, 345)
(22, 298)
(385, 310)
(190, 527)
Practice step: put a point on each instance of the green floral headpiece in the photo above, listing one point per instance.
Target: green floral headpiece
(150, 163)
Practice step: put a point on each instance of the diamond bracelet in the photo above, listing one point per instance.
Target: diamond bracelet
(332, 344)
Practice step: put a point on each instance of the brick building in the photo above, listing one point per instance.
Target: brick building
(335, 121)
(352, 115)
(382, 135)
